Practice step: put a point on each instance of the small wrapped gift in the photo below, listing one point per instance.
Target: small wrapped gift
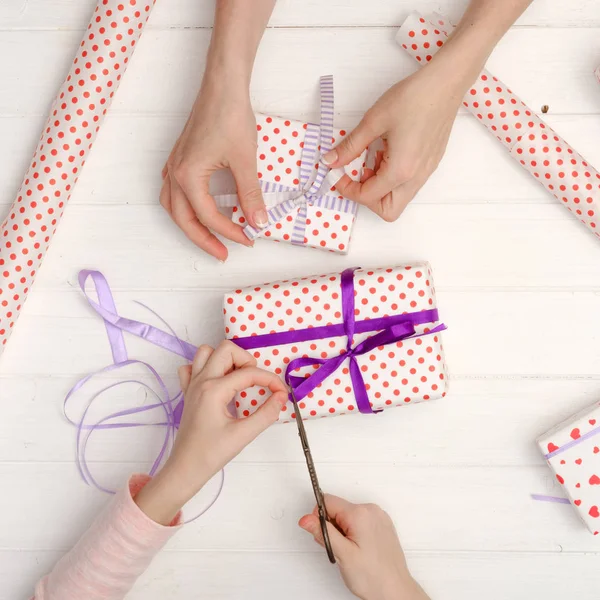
(362, 341)
(572, 450)
(303, 205)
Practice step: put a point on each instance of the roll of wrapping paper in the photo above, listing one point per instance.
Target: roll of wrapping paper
(530, 141)
(75, 119)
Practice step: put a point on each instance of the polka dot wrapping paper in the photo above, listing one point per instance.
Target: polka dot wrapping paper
(74, 121)
(530, 141)
(281, 144)
(397, 374)
(303, 206)
(572, 450)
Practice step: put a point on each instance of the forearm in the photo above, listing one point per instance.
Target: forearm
(482, 26)
(238, 29)
(111, 555)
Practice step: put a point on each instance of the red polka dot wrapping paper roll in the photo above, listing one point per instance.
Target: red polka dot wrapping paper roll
(572, 450)
(530, 141)
(405, 372)
(279, 159)
(74, 121)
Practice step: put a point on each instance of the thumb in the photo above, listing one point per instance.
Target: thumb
(351, 146)
(185, 376)
(248, 190)
(339, 543)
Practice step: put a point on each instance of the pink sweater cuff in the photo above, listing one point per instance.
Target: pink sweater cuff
(112, 554)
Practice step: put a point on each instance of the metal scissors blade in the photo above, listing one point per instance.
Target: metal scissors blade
(323, 518)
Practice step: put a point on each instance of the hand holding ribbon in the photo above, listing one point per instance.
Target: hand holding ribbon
(314, 188)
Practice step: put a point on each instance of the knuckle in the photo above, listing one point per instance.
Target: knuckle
(226, 345)
(388, 216)
(406, 171)
(362, 512)
(251, 196)
(206, 387)
(350, 145)
(182, 172)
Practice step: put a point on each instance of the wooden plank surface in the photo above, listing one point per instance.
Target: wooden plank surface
(41, 14)
(555, 68)
(518, 284)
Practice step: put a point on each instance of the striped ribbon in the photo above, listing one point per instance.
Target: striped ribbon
(282, 200)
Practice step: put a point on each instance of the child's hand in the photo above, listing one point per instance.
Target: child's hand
(209, 436)
(368, 551)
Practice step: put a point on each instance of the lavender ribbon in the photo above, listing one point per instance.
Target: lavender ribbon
(285, 200)
(393, 329)
(172, 406)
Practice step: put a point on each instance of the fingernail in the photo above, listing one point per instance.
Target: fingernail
(330, 157)
(261, 218)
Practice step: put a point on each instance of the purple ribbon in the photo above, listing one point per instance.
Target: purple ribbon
(391, 330)
(172, 406)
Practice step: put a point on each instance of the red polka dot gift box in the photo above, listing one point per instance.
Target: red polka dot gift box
(530, 141)
(360, 341)
(572, 450)
(304, 207)
(75, 118)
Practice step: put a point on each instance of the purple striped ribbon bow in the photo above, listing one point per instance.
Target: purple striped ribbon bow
(314, 188)
(389, 330)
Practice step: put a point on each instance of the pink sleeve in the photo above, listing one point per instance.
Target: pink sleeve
(111, 555)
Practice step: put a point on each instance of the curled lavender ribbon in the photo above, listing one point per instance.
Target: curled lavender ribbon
(285, 200)
(393, 329)
(172, 406)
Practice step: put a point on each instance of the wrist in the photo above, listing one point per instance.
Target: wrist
(163, 497)
(221, 81)
(458, 65)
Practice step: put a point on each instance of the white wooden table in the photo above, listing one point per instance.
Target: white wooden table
(518, 282)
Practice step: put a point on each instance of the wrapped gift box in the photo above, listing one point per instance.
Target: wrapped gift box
(572, 450)
(303, 323)
(303, 205)
(282, 152)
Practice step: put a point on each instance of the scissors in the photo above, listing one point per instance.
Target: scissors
(323, 517)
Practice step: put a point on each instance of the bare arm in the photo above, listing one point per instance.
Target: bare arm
(428, 102)
(220, 133)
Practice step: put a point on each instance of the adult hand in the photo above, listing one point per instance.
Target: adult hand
(414, 118)
(209, 436)
(367, 549)
(220, 133)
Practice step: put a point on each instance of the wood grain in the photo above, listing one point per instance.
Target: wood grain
(555, 68)
(41, 14)
(518, 284)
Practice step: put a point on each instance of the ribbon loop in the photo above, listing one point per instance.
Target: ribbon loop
(391, 333)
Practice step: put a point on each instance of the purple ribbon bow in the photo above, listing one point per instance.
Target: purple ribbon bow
(391, 330)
